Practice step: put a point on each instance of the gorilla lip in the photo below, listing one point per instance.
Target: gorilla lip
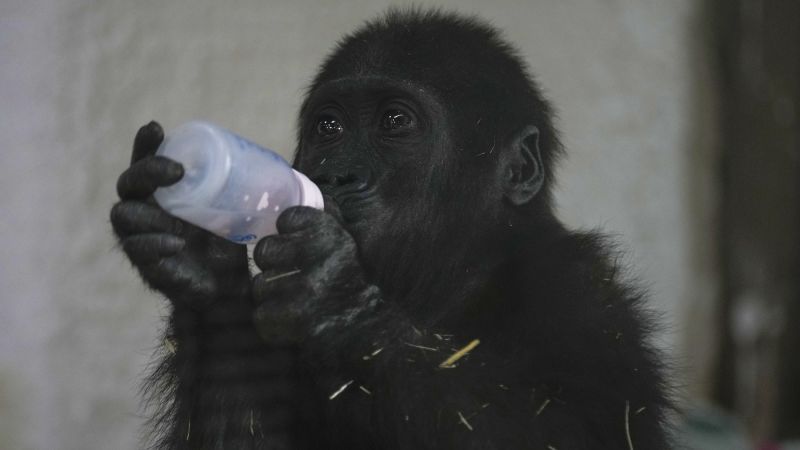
(350, 200)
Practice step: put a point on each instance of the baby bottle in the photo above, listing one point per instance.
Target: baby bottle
(230, 186)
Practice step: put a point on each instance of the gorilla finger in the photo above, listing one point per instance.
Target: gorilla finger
(180, 278)
(130, 217)
(144, 249)
(147, 140)
(277, 251)
(142, 178)
(305, 249)
(320, 232)
(298, 218)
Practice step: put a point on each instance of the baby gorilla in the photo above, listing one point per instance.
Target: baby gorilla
(437, 303)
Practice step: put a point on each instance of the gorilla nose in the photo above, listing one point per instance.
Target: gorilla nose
(350, 182)
(339, 180)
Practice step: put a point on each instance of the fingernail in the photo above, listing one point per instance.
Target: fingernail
(174, 243)
(175, 170)
(154, 128)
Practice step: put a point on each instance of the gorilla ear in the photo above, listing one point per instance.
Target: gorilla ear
(523, 171)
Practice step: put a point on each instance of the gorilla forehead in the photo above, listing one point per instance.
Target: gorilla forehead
(460, 57)
(370, 89)
(477, 76)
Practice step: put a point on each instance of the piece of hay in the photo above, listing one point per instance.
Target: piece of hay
(283, 275)
(463, 420)
(340, 390)
(544, 405)
(422, 347)
(372, 355)
(448, 363)
(627, 424)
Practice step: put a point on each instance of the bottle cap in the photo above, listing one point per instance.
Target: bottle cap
(310, 193)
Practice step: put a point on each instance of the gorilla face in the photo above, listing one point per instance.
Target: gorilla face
(428, 138)
(371, 146)
(384, 151)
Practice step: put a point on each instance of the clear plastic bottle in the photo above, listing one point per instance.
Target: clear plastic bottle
(231, 186)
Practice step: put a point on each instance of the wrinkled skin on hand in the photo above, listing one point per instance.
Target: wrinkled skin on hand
(311, 277)
(187, 264)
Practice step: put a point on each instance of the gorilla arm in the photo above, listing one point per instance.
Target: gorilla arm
(378, 374)
(202, 389)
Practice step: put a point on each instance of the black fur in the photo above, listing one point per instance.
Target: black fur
(429, 139)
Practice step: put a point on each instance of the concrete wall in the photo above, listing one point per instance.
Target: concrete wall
(78, 77)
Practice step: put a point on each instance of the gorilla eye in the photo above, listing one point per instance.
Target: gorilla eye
(395, 120)
(328, 127)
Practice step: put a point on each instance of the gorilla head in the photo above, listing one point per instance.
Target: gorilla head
(429, 133)
(436, 152)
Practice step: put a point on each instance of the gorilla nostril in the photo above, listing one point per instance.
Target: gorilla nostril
(349, 180)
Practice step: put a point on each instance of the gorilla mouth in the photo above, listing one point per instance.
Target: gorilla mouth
(348, 191)
(352, 204)
(351, 201)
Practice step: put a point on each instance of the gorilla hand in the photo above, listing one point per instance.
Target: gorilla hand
(311, 278)
(187, 264)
